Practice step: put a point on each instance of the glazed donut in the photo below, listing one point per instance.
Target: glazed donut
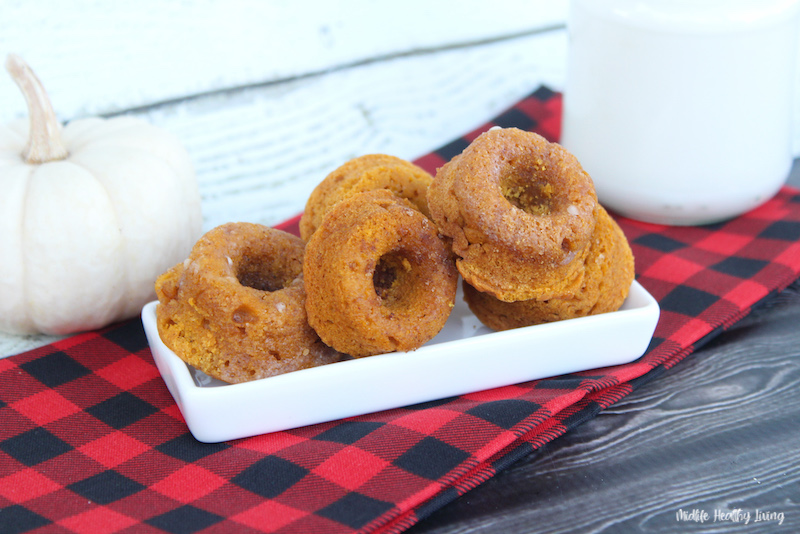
(520, 213)
(609, 273)
(235, 308)
(365, 173)
(378, 276)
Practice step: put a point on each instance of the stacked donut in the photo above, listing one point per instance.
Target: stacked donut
(533, 244)
(379, 277)
(375, 276)
(377, 265)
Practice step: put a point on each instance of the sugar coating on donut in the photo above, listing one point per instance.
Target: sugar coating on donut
(609, 267)
(519, 211)
(235, 308)
(361, 174)
(378, 276)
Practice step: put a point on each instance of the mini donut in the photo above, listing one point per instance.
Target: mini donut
(235, 308)
(365, 173)
(378, 276)
(520, 213)
(609, 273)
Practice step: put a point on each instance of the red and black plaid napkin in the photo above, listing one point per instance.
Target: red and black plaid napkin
(91, 441)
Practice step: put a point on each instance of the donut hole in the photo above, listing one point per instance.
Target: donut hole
(259, 273)
(527, 190)
(391, 278)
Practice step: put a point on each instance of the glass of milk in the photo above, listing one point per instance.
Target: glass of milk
(681, 110)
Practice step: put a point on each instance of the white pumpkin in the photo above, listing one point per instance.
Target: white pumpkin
(90, 215)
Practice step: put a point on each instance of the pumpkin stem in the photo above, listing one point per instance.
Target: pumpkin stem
(44, 139)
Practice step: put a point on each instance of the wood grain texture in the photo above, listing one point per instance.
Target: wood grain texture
(99, 57)
(259, 153)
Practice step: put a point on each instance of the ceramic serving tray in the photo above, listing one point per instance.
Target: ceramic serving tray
(464, 357)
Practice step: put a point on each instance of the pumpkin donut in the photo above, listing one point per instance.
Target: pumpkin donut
(609, 269)
(365, 173)
(520, 212)
(378, 276)
(235, 309)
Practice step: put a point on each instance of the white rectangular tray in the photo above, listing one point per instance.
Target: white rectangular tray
(464, 357)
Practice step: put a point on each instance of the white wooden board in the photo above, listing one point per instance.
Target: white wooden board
(98, 57)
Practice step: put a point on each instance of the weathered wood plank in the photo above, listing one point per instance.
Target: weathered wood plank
(97, 57)
(258, 153)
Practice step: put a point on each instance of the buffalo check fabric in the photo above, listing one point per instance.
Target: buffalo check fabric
(92, 441)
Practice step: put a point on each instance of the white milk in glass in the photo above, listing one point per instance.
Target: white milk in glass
(681, 110)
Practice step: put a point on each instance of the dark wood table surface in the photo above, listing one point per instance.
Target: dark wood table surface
(696, 450)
